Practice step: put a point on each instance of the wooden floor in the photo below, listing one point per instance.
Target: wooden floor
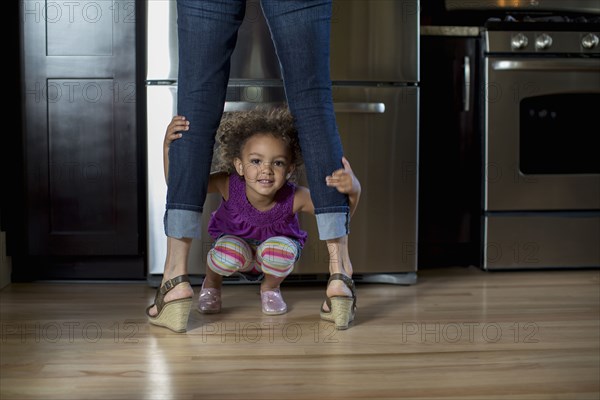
(457, 334)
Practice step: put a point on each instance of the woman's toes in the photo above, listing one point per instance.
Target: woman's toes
(152, 311)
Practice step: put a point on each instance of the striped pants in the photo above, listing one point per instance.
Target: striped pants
(275, 256)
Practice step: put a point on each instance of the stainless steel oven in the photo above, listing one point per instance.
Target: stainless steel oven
(542, 165)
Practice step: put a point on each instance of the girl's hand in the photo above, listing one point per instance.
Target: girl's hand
(174, 129)
(344, 179)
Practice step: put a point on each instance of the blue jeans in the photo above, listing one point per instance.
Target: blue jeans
(207, 32)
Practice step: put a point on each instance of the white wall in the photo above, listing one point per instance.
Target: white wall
(5, 262)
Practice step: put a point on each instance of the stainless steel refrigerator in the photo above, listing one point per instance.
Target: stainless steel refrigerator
(375, 75)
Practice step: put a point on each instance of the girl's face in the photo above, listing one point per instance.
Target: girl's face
(265, 165)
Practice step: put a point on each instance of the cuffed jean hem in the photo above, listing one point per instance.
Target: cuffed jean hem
(183, 224)
(333, 225)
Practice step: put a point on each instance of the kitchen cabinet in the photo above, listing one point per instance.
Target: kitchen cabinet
(450, 147)
(80, 142)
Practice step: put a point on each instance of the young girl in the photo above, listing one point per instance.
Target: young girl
(256, 227)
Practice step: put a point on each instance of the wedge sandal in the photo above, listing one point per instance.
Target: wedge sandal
(341, 308)
(174, 314)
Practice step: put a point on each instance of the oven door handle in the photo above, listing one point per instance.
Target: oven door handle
(546, 65)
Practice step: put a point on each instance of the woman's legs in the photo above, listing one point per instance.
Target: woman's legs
(207, 32)
(300, 31)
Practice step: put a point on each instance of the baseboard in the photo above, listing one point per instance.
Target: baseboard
(27, 269)
(405, 278)
(5, 263)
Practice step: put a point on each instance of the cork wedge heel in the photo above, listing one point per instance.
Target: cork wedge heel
(174, 314)
(342, 309)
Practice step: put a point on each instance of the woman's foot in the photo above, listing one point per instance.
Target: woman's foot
(339, 308)
(336, 288)
(175, 267)
(181, 291)
(339, 263)
(174, 312)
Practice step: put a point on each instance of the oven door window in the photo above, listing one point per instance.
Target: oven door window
(559, 133)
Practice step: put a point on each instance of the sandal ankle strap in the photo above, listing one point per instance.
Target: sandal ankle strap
(348, 282)
(344, 278)
(171, 283)
(341, 277)
(159, 298)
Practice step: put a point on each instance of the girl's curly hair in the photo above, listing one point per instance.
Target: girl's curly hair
(237, 127)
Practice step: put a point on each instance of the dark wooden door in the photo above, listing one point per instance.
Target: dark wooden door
(79, 80)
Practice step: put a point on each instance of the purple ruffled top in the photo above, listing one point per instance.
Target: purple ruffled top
(238, 217)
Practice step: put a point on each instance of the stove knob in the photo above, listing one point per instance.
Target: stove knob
(543, 42)
(519, 41)
(589, 41)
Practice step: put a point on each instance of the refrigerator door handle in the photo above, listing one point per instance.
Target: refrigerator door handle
(236, 106)
(359, 107)
(350, 107)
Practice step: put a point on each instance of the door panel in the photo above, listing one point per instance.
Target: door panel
(81, 184)
(80, 128)
(80, 28)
